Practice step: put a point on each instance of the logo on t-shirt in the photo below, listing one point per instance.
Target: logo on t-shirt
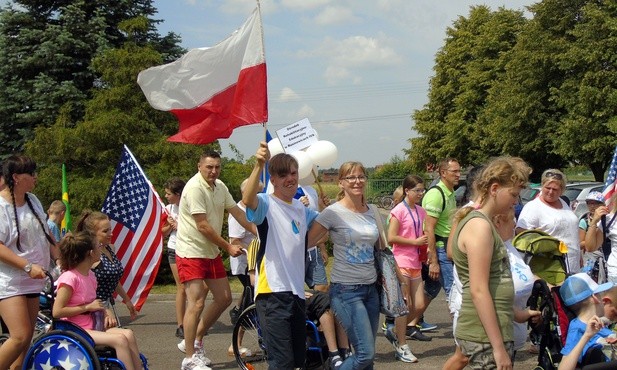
(295, 226)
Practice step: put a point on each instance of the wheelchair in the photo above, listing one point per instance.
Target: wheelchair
(59, 344)
(247, 333)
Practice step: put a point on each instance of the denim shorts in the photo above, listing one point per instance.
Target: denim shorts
(431, 287)
(315, 270)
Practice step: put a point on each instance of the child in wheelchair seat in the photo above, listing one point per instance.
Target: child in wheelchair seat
(76, 298)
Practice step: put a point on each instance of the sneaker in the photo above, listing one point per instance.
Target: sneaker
(335, 362)
(180, 332)
(244, 352)
(234, 314)
(403, 353)
(391, 337)
(425, 326)
(194, 363)
(199, 353)
(416, 334)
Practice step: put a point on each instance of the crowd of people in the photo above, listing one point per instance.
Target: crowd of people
(467, 251)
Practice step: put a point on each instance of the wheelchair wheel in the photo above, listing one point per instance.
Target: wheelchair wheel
(61, 350)
(247, 342)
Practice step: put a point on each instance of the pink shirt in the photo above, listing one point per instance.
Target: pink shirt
(411, 225)
(84, 292)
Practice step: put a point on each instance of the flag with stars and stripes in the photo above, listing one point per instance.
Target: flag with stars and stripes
(609, 184)
(136, 212)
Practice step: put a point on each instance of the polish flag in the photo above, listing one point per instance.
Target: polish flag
(215, 89)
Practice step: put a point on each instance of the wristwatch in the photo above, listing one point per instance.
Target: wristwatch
(28, 268)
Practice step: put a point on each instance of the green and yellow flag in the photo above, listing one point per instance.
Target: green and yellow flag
(67, 224)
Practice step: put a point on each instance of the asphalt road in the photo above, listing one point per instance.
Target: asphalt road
(155, 328)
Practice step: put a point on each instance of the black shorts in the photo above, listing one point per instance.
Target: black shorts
(317, 305)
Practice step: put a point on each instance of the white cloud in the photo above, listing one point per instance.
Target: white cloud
(246, 6)
(334, 74)
(287, 94)
(335, 15)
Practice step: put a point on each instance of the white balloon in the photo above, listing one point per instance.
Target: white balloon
(275, 147)
(310, 179)
(323, 153)
(304, 163)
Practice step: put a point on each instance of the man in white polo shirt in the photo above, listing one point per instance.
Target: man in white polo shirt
(200, 220)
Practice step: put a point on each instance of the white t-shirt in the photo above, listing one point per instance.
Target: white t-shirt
(239, 264)
(173, 213)
(34, 246)
(282, 230)
(559, 223)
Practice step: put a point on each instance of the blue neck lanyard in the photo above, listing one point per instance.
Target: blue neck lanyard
(416, 220)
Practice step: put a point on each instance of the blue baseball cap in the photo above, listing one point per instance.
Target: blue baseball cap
(579, 287)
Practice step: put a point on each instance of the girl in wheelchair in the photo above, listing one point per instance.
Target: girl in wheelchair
(76, 298)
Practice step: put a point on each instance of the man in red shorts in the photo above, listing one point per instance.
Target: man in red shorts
(200, 267)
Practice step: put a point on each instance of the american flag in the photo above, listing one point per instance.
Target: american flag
(136, 212)
(609, 184)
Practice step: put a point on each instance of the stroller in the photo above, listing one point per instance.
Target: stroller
(550, 333)
(545, 255)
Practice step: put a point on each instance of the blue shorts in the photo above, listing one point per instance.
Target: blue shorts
(315, 270)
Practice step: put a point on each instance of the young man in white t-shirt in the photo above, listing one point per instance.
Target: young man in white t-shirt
(282, 223)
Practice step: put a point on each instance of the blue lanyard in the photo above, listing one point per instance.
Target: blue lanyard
(416, 220)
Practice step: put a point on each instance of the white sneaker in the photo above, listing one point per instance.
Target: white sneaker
(404, 354)
(199, 351)
(194, 363)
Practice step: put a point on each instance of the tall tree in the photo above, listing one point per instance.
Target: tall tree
(117, 114)
(465, 69)
(46, 52)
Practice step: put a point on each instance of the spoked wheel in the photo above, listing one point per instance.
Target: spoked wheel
(247, 342)
(61, 350)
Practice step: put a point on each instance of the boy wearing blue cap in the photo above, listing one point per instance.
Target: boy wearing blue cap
(579, 294)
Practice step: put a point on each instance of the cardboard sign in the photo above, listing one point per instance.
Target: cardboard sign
(297, 136)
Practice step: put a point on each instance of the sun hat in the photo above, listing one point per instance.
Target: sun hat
(596, 196)
(579, 287)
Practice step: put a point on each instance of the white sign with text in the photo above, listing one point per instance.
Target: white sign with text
(297, 136)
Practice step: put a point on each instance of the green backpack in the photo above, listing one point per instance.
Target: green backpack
(545, 255)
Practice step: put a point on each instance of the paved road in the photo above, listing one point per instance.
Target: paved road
(155, 329)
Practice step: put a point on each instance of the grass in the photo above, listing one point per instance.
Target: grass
(234, 283)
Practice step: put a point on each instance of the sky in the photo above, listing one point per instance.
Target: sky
(357, 69)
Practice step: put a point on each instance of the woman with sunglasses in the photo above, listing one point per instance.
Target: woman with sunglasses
(25, 246)
(551, 214)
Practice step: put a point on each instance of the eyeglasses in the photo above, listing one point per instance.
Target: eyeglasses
(454, 171)
(419, 191)
(555, 175)
(360, 178)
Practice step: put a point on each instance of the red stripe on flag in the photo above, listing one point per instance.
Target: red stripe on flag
(238, 105)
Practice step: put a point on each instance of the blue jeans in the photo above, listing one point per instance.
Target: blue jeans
(446, 274)
(357, 308)
(315, 273)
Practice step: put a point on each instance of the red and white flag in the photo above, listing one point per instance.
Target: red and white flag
(215, 89)
(136, 213)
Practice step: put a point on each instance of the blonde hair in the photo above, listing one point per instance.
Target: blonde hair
(398, 195)
(504, 171)
(553, 175)
(345, 169)
(56, 207)
(89, 219)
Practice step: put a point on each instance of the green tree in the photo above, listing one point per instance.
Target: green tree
(466, 67)
(117, 114)
(46, 53)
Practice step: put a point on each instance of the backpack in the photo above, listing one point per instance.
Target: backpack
(545, 255)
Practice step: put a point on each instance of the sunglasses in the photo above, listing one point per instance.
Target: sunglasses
(555, 175)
